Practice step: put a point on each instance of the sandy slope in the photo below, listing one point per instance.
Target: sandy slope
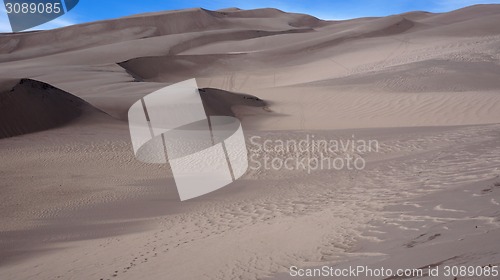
(74, 203)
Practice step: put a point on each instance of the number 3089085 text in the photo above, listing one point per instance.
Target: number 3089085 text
(33, 8)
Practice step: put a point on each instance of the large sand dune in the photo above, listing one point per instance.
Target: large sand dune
(76, 204)
(34, 106)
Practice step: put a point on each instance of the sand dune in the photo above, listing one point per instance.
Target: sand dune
(35, 106)
(411, 53)
(22, 45)
(222, 103)
(75, 203)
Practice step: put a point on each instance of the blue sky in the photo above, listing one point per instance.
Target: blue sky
(92, 10)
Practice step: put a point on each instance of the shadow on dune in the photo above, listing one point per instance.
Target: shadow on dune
(32, 106)
(219, 102)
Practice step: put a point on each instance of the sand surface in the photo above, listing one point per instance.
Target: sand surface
(76, 204)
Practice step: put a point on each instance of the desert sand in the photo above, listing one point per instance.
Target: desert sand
(76, 204)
